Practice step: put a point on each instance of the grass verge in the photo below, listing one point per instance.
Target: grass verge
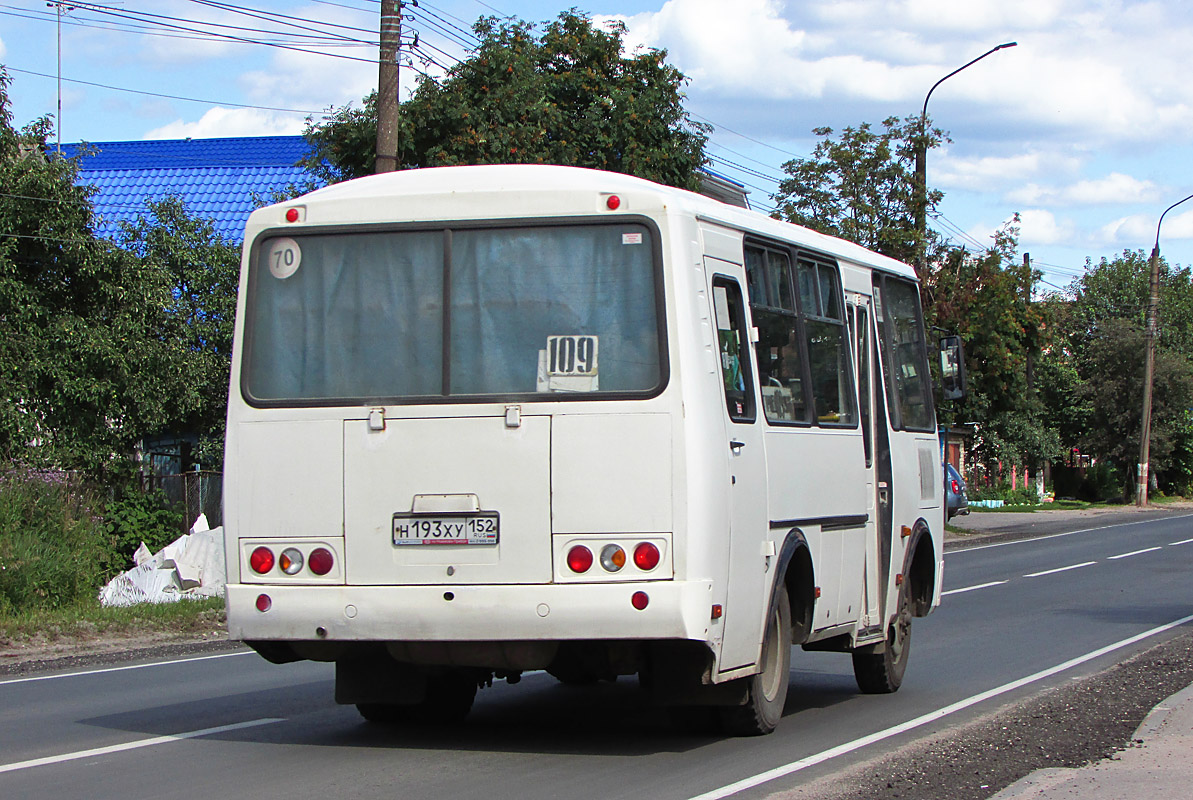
(90, 622)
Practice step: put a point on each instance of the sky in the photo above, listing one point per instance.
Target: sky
(1083, 129)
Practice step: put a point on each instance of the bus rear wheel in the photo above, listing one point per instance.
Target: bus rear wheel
(448, 700)
(767, 692)
(882, 673)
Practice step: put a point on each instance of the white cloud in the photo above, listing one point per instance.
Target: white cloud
(3, 49)
(1078, 71)
(231, 122)
(1138, 230)
(311, 82)
(983, 173)
(1112, 189)
(1039, 226)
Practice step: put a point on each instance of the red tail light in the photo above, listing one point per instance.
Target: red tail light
(640, 600)
(646, 556)
(320, 561)
(579, 558)
(264, 603)
(956, 487)
(261, 560)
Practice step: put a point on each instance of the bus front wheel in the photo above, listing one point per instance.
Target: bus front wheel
(767, 692)
(882, 673)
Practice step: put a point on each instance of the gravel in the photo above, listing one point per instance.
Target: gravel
(1081, 722)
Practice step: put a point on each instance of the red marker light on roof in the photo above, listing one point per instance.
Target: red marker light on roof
(613, 202)
(292, 215)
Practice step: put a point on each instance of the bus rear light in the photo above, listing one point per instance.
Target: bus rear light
(292, 215)
(646, 556)
(261, 560)
(579, 559)
(613, 202)
(640, 600)
(320, 561)
(290, 561)
(612, 558)
(264, 603)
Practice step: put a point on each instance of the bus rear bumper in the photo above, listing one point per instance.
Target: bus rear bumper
(552, 612)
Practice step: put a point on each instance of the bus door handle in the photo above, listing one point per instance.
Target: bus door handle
(735, 445)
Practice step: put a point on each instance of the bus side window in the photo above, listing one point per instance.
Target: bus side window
(733, 344)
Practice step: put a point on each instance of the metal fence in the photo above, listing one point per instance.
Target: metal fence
(194, 492)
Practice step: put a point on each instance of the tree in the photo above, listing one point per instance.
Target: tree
(1100, 395)
(985, 299)
(568, 96)
(94, 355)
(860, 186)
(201, 271)
(1112, 367)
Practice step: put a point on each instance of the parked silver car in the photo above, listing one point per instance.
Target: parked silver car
(956, 500)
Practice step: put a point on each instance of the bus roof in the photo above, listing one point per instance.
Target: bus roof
(518, 182)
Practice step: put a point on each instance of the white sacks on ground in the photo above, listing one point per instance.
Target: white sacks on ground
(190, 567)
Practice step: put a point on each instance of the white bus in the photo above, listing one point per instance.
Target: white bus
(487, 420)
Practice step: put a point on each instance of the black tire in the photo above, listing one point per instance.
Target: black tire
(382, 713)
(448, 701)
(882, 673)
(767, 692)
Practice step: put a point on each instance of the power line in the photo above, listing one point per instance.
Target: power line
(166, 96)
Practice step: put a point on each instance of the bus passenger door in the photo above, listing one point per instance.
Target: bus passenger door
(748, 591)
(863, 340)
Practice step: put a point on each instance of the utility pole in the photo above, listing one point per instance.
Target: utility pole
(1149, 363)
(387, 86)
(57, 4)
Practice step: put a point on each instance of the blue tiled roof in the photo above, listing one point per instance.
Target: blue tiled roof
(216, 178)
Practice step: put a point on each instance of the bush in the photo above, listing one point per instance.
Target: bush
(1023, 496)
(1102, 482)
(54, 551)
(141, 517)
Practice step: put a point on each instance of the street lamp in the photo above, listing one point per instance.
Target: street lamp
(921, 158)
(1149, 363)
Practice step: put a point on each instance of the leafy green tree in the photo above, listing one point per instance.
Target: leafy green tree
(1112, 366)
(860, 186)
(566, 96)
(1099, 398)
(985, 299)
(201, 271)
(99, 346)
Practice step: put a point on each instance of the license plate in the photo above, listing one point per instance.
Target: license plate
(463, 528)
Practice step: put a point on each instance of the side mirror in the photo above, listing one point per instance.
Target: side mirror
(952, 368)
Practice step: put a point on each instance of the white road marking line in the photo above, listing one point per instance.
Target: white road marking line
(121, 669)
(1061, 569)
(963, 550)
(1182, 541)
(972, 588)
(1133, 553)
(119, 748)
(931, 716)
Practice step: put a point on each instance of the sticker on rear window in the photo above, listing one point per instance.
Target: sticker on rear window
(631, 238)
(569, 364)
(284, 257)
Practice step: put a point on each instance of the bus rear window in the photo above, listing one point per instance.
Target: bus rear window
(553, 309)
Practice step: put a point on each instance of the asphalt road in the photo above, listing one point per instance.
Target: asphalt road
(1017, 616)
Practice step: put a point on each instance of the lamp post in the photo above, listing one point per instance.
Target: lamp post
(921, 158)
(1149, 362)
